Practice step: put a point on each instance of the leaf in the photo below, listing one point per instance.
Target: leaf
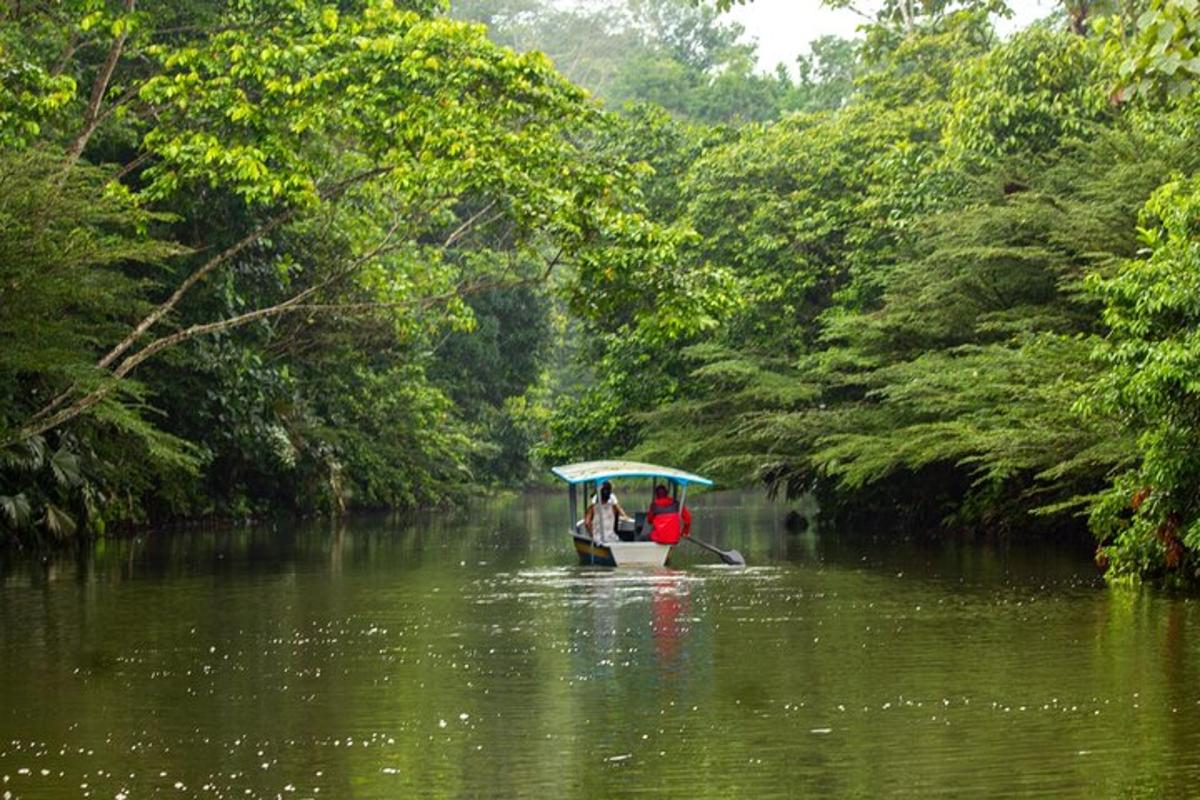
(58, 523)
(16, 509)
(65, 466)
(28, 455)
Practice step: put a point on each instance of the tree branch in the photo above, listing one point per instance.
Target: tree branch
(92, 116)
(68, 51)
(462, 230)
(205, 269)
(291, 305)
(130, 167)
(169, 304)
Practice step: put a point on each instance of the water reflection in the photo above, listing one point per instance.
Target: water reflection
(670, 608)
(394, 657)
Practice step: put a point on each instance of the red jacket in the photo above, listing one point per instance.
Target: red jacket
(664, 515)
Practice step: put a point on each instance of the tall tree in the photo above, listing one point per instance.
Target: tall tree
(336, 168)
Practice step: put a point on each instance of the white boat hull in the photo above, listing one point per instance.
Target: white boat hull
(639, 554)
(621, 554)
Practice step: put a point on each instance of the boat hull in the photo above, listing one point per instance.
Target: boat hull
(621, 554)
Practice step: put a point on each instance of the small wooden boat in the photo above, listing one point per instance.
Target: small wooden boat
(624, 554)
(633, 548)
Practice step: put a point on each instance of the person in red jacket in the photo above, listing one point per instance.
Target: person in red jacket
(665, 515)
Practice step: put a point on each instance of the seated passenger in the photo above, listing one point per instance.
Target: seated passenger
(664, 516)
(602, 515)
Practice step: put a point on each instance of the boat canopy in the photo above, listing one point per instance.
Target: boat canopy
(591, 471)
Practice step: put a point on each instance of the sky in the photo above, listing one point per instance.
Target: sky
(784, 28)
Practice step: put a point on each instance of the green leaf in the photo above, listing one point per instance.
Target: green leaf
(59, 523)
(16, 509)
(65, 466)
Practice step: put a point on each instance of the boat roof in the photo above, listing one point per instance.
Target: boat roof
(588, 471)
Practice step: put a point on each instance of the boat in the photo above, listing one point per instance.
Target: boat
(634, 548)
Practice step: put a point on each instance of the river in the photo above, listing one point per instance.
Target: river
(465, 656)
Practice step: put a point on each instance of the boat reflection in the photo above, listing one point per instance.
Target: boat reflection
(670, 623)
(636, 622)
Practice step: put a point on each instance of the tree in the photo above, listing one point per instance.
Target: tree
(678, 55)
(828, 73)
(944, 335)
(335, 170)
(1159, 54)
(1028, 94)
(65, 283)
(489, 371)
(1147, 520)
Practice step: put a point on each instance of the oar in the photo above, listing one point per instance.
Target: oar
(731, 557)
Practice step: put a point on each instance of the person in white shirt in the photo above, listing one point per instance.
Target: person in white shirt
(602, 515)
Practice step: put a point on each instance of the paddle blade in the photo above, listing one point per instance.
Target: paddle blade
(733, 558)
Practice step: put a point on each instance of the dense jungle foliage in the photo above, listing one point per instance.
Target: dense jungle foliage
(304, 256)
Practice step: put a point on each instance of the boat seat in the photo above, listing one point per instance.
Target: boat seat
(641, 531)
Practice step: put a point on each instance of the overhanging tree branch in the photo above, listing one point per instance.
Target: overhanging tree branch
(205, 269)
(56, 413)
(291, 305)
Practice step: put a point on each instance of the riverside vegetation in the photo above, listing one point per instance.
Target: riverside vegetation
(303, 256)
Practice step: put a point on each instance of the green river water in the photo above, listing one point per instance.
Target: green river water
(465, 656)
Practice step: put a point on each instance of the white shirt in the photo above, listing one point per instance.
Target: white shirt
(604, 521)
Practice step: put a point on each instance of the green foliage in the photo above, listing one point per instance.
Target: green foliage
(631, 372)
(623, 338)
(410, 260)
(919, 67)
(896, 19)
(678, 55)
(387, 440)
(931, 371)
(781, 207)
(967, 364)
(1027, 95)
(64, 246)
(349, 178)
(1146, 519)
(978, 350)
(1149, 521)
(828, 73)
(793, 212)
(930, 275)
(717, 426)
(61, 246)
(1161, 59)
(28, 96)
(490, 371)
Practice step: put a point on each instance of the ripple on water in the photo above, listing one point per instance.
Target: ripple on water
(379, 663)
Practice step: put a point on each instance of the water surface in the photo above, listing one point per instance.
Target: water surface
(465, 656)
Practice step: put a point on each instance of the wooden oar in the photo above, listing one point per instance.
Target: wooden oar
(731, 557)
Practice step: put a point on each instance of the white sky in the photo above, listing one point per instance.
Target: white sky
(784, 28)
